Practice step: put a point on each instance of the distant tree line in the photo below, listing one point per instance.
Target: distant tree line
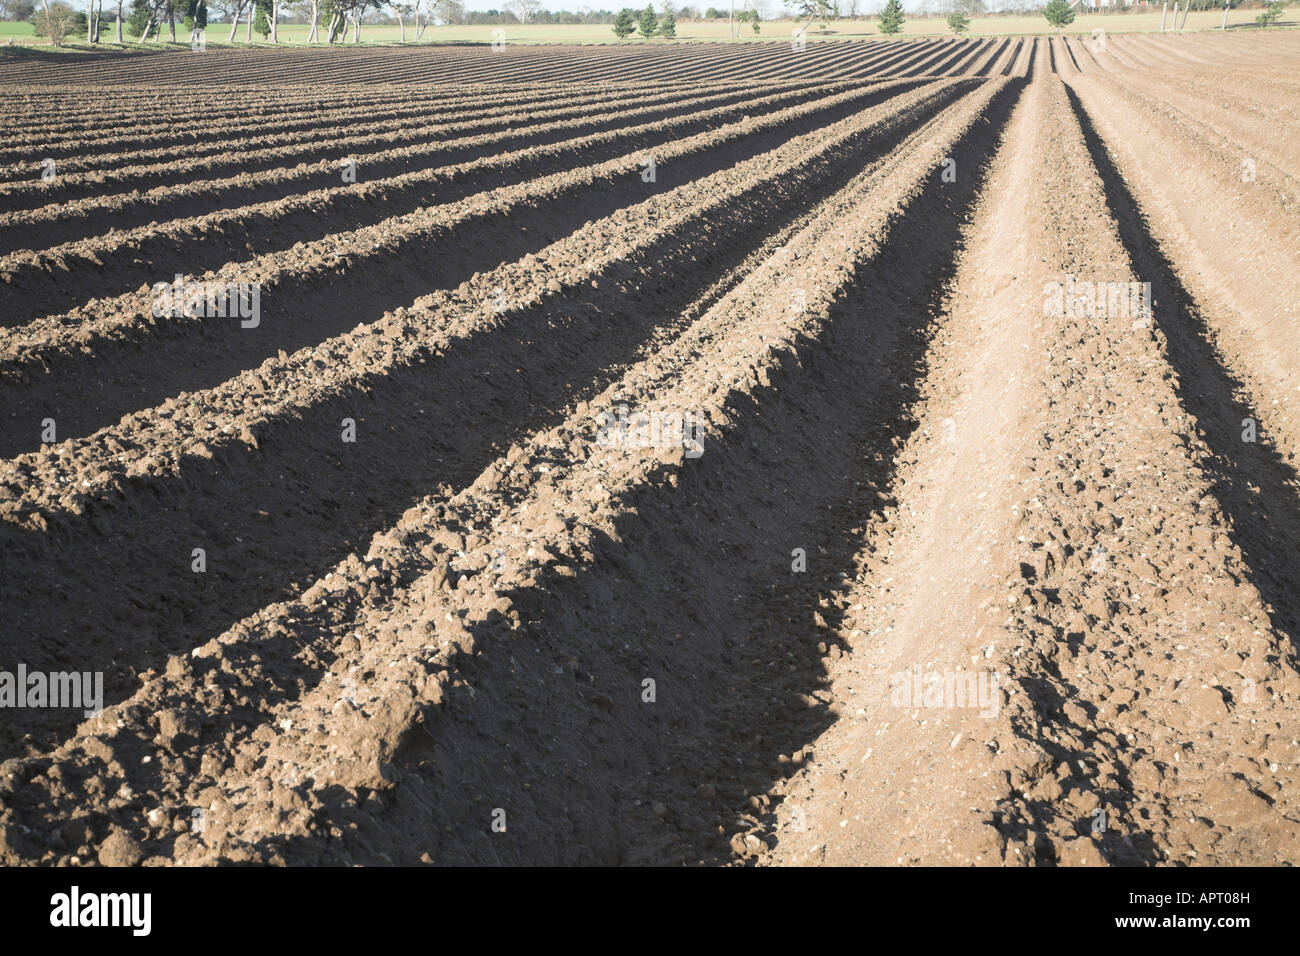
(17, 9)
(645, 23)
(333, 20)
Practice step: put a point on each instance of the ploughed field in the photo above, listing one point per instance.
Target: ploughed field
(872, 453)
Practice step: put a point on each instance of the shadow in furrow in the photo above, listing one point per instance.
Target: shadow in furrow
(1257, 488)
(41, 290)
(1069, 51)
(695, 591)
(997, 54)
(353, 210)
(148, 364)
(113, 589)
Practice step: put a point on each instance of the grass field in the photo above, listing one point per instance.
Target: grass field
(717, 29)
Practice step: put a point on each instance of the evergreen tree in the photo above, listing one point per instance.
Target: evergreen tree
(262, 17)
(957, 22)
(137, 18)
(1272, 13)
(1058, 13)
(196, 15)
(668, 26)
(624, 24)
(891, 18)
(649, 24)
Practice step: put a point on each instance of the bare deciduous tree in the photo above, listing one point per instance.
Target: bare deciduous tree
(55, 21)
(449, 11)
(524, 10)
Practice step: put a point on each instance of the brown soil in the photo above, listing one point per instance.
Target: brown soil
(480, 612)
